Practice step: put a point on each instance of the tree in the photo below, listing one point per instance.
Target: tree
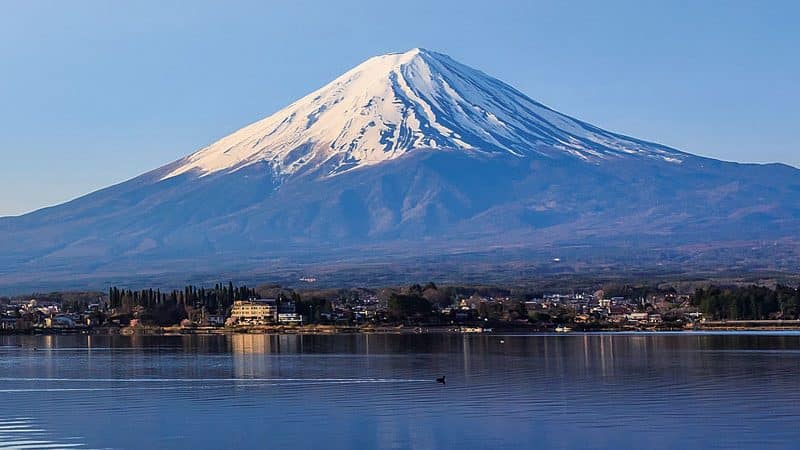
(747, 303)
(404, 307)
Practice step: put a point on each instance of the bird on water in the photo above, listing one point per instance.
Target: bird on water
(441, 380)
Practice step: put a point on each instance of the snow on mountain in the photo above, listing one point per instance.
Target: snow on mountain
(395, 103)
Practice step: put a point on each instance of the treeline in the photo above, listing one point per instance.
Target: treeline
(635, 292)
(217, 300)
(417, 303)
(748, 303)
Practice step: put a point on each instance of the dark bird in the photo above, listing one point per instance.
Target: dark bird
(441, 380)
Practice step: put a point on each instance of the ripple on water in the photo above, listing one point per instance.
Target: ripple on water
(25, 433)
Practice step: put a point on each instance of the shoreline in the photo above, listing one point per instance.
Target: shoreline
(733, 326)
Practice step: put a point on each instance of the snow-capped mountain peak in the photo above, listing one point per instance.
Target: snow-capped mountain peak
(479, 174)
(392, 104)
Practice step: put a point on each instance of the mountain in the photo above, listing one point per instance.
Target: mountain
(414, 155)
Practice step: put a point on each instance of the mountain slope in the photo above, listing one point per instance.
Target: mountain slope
(405, 155)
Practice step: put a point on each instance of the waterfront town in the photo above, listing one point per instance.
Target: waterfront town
(416, 308)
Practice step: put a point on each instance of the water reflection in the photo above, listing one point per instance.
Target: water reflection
(377, 391)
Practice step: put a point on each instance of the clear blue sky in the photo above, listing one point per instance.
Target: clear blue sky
(96, 92)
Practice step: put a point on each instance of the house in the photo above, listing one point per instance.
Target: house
(583, 318)
(617, 313)
(655, 318)
(8, 323)
(60, 321)
(639, 317)
(215, 319)
(290, 318)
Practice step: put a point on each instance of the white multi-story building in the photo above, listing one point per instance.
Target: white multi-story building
(254, 312)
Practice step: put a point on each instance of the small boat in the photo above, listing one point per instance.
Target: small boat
(563, 329)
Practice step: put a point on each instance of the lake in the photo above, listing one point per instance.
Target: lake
(572, 391)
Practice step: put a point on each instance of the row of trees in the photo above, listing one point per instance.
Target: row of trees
(215, 301)
(748, 303)
(162, 308)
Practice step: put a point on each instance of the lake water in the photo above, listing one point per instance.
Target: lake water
(575, 391)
